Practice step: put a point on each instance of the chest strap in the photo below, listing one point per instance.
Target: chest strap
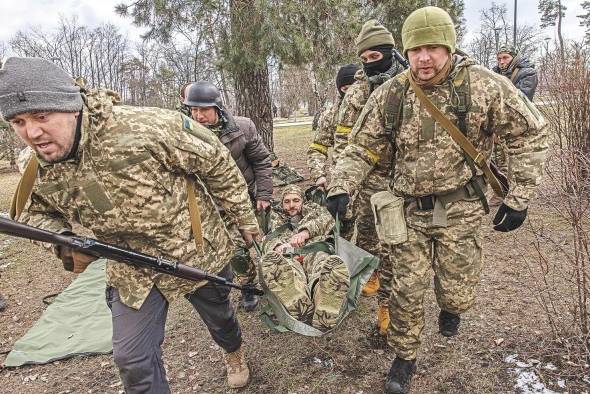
(27, 181)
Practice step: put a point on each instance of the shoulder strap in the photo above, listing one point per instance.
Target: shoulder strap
(393, 105)
(195, 213)
(459, 138)
(24, 188)
(514, 73)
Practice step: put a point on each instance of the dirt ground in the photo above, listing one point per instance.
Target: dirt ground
(505, 321)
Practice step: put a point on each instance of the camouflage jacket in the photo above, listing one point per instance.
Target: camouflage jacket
(127, 183)
(314, 218)
(352, 105)
(428, 160)
(325, 137)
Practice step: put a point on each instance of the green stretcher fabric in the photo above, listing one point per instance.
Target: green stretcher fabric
(78, 322)
(361, 265)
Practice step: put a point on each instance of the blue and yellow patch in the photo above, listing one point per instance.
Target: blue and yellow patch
(194, 129)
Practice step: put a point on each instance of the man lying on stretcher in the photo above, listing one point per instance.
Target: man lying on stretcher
(312, 287)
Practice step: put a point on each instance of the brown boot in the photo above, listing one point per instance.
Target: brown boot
(383, 319)
(371, 286)
(238, 373)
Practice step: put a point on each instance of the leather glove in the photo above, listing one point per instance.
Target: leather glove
(75, 261)
(508, 219)
(337, 205)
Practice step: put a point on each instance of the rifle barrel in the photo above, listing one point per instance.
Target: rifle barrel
(113, 252)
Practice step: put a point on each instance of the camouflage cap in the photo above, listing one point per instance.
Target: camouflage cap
(32, 84)
(291, 189)
(507, 49)
(429, 26)
(372, 34)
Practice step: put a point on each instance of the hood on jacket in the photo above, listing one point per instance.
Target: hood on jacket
(517, 62)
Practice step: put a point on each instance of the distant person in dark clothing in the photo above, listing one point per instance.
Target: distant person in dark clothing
(518, 69)
(523, 75)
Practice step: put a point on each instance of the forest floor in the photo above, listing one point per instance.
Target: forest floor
(504, 344)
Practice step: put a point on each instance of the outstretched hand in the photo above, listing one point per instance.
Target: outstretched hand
(299, 239)
(508, 219)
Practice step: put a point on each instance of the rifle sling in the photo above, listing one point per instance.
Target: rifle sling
(514, 74)
(477, 157)
(195, 213)
(24, 189)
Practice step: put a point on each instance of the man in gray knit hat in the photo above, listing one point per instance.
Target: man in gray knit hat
(131, 175)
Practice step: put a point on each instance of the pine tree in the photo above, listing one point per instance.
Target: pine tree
(585, 19)
(552, 13)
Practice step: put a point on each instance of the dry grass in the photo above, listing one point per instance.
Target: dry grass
(506, 320)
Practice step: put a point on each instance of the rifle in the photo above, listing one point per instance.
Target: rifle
(101, 249)
(400, 59)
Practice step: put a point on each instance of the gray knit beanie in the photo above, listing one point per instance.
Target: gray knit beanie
(30, 84)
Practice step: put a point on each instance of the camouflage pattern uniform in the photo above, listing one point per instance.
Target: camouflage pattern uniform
(429, 162)
(129, 189)
(312, 289)
(324, 138)
(377, 180)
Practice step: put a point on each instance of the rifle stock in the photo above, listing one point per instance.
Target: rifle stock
(101, 249)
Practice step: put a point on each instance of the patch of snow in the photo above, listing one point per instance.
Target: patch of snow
(550, 367)
(527, 381)
(561, 383)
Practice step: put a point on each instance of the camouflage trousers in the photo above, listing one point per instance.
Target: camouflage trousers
(453, 253)
(312, 291)
(366, 234)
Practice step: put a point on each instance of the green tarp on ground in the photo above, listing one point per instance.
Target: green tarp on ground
(78, 322)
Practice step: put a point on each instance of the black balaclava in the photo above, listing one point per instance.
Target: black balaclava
(345, 76)
(380, 66)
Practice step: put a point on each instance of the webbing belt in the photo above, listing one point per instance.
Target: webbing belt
(439, 202)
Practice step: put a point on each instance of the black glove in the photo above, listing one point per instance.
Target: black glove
(508, 219)
(337, 205)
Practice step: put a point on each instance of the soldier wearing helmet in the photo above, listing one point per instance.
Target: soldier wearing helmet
(240, 137)
(431, 217)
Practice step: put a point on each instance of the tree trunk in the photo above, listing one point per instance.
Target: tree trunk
(559, 10)
(250, 69)
(253, 100)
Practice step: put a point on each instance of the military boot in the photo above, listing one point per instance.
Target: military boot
(249, 301)
(2, 303)
(329, 293)
(372, 285)
(383, 319)
(400, 376)
(238, 373)
(448, 323)
(288, 283)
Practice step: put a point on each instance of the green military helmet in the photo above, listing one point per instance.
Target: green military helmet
(372, 34)
(429, 26)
